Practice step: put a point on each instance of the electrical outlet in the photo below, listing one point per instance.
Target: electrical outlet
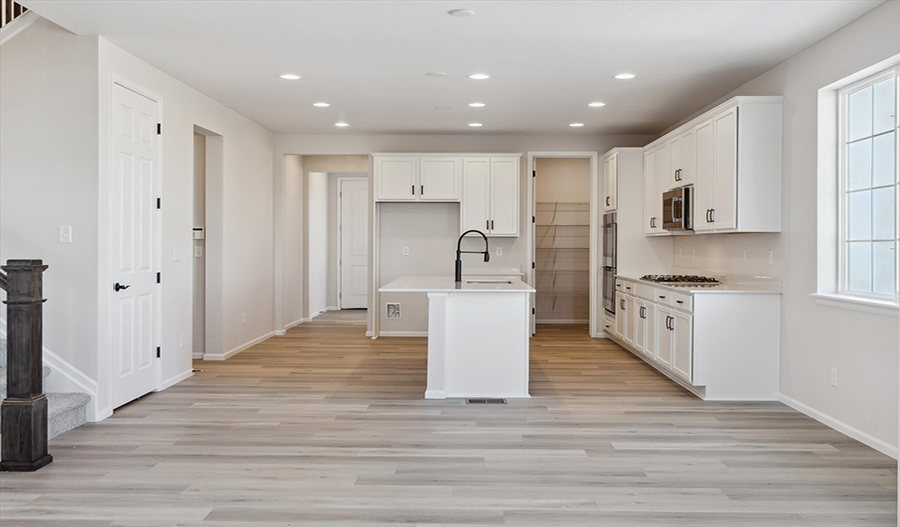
(244, 319)
(744, 255)
(834, 376)
(65, 234)
(771, 256)
(182, 342)
(693, 254)
(681, 252)
(406, 251)
(393, 310)
(499, 251)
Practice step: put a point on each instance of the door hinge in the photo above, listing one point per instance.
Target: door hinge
(158, 128)
(532, 219)
(532, 265)
(157, 352)
(340, 295)
(534, 173)
(158, 278)
(532, 311)
(158, 203)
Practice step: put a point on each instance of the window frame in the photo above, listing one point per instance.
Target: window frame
(843, 182)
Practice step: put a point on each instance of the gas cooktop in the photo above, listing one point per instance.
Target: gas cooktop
(686, 279)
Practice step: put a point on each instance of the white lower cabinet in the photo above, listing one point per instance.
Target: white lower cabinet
(703, 341)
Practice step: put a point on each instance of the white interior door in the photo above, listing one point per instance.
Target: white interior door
(354, 196)
(133, 245)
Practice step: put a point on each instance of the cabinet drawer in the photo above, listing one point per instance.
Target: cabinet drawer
(662, 296)
(645, 292)
(628, 287)
(683, 302)
(620, 285)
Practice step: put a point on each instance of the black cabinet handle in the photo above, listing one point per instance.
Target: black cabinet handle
(628, 288)
(679, 302)
(607, 201)
(421, 190)
(712, 215)
(413, 190)
(662, 296)
(492, 224)
(118, 287)
(487, 224)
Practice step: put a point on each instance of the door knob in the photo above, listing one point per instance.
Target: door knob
(119, 286)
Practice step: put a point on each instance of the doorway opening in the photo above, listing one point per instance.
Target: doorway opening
(198, 249)
(563, 238)
(207, 267)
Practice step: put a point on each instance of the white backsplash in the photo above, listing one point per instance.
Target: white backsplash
(734, 255)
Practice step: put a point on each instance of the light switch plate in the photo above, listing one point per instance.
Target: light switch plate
(65, 234)
(406, 251)
(198, 251)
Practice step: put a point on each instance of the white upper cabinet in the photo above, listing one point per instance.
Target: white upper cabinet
(440, 178)
(396, 178)
(490, 200)
(652, 198)
(504, 197)
(418, 178)
(681, 159)
(732, 157)
(610, 181)
(704, 177)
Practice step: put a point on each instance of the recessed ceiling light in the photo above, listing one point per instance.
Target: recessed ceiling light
(461, 13)
(576, 125)
(475, 125)
(290, 76)
(436, 74)
(321, 104)
(477, 104)
(597, 104)
(479, 76)
(625, 76)
(341, 124)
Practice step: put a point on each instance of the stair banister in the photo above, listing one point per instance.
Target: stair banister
(23, 414)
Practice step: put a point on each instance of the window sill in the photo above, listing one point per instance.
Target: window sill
(854, 303)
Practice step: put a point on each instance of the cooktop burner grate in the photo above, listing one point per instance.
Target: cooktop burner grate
(679, 279)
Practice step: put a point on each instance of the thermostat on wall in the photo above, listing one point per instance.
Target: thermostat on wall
(393, 310)
(199, 233)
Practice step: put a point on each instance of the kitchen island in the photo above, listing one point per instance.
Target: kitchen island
(478, 333)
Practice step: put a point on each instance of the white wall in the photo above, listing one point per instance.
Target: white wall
(292, 296)
(48, 178)
(244, 215)
(816, 338)
(317, 220)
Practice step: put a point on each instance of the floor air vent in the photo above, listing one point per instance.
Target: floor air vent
(485, 401)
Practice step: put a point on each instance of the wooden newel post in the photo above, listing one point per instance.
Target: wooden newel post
(23, 415)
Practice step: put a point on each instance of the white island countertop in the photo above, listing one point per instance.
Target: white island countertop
(446, 284)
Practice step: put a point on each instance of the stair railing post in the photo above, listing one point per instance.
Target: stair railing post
(23, 415)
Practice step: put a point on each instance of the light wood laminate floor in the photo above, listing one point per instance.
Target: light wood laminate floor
(324, 427)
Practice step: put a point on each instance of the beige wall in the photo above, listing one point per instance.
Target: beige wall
(816, 338)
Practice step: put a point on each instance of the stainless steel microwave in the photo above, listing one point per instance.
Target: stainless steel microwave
(677, 209)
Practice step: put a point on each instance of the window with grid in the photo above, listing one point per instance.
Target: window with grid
(868, 172)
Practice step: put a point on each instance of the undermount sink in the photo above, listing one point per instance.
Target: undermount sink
(488, 282)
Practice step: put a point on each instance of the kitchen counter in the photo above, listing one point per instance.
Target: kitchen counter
(445, 284)
(725, 286)
(478, 334)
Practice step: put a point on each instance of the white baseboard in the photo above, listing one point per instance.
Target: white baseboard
(283, 332)
(235, 351)
(197, 355)
(65, 377)
(332, 308)
(17, 26)
(401, 333)
(172, 381)
(370, 334)
(435, 394)
(840, 426)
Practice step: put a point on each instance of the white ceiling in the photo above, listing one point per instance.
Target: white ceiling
(547, 60)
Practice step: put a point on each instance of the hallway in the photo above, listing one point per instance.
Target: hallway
(326, 427)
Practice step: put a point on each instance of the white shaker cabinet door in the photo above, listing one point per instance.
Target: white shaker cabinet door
(396, 178)
(652, 198)
(682, 345)
(440, 178)
(476, 199)
(704, 177)
(611, 171)
(504, 210)
(664, 336)
(725, 127)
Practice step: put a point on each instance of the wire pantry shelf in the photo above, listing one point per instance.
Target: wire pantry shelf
(562, 241)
